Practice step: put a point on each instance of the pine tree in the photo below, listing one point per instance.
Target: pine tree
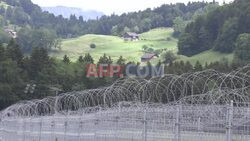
(66, 59)
(121, 61)
(188, 67)
(105, 60)
(88, 59)
(198, 66)
(80, 59)
(14, 52)
(206, 66)
(2, 53)
(149, 65)
(39, 60)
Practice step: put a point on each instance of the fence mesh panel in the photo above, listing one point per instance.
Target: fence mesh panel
(142, 122)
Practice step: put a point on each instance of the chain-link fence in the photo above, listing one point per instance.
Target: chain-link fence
(136, 122)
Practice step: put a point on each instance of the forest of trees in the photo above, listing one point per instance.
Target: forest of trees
(33, 24)
(224, 30)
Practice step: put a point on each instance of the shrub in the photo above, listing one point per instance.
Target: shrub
(169, 57)
(144, 47)
(92, 46)
(150, 50)
(169, 39)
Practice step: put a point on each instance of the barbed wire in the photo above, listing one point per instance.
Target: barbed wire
(206, 87)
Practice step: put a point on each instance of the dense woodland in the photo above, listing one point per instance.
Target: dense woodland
(226, 30)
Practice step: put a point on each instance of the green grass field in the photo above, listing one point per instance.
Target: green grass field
(116, 46)
(207, 56)
(159, 38)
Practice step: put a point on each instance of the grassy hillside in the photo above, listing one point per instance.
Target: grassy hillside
(207, 56)
(160, 38)
(116, 46)
(158, 34)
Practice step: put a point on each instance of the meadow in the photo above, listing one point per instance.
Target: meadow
(160, 38)
(114, 46)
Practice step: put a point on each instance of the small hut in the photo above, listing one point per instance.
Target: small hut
(131, 36)
(147, 57)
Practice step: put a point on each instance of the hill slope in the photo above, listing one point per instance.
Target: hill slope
(159, 38)
(207, 57)
(115, 46)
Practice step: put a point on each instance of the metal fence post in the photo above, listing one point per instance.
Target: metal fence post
(229, 122)
(65, 130)
(80, 129)
(199, 128)
(177, 124)
(40, 129)
(53, 124)
(117, 122)
(96, 129)
(199, 124)
(31, 130)
(145, 125)
(116, 127)
(24, 130)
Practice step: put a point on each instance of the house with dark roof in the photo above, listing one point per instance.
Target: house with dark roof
(147, 57)
(131, 36)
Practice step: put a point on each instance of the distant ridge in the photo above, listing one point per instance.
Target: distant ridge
(67, 11)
